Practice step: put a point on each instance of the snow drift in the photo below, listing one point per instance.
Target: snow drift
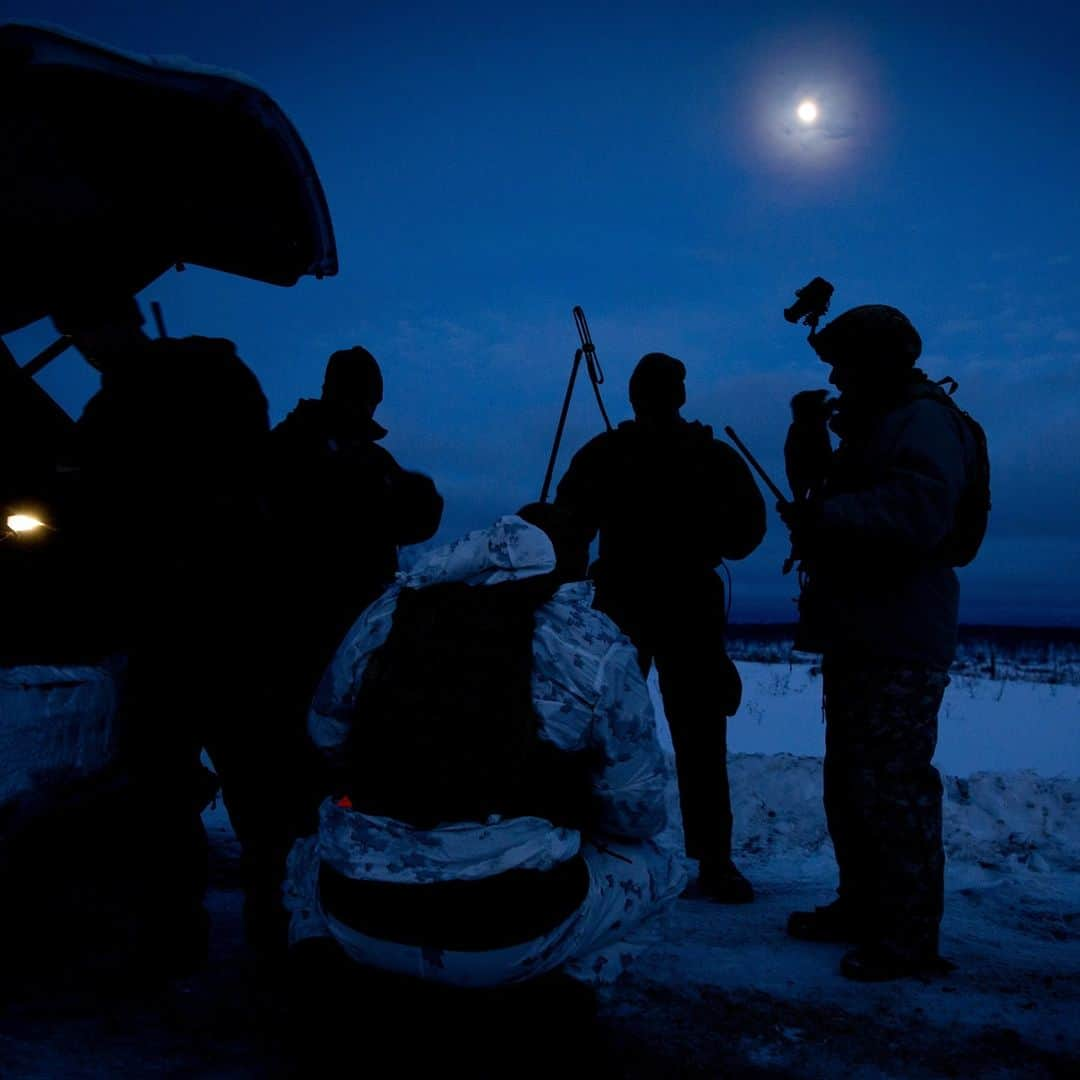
(992, 821)
(55, 723)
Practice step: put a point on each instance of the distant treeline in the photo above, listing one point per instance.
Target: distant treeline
(1007, 638)
(1049, 654)
(974, 632)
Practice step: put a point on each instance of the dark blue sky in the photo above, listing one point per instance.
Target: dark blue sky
(488, 167)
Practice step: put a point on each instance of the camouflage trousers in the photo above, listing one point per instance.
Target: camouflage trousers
(883, 797)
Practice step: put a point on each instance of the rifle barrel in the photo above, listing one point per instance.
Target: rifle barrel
(743, 449)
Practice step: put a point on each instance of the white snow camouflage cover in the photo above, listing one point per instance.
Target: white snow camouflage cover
(587, 691)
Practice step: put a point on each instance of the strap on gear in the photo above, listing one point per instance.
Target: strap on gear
(973, 509)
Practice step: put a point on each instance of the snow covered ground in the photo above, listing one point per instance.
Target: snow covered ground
(55, 723)
(985, 724)
(748, 1000)
(714, 990)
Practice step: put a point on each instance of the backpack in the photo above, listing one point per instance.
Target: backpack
(446, 729)
(973, 507)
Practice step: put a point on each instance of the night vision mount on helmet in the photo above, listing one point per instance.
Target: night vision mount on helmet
(812, 303)
(870, 329)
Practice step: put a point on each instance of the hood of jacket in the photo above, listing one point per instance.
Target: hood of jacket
(509, 550)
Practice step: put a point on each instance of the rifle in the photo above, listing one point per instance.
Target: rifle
(730, 433)
(596, 377)
(793, 557)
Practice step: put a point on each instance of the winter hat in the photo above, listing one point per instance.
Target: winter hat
(353, 375)
(657, 386)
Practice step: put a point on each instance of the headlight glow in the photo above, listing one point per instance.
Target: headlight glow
(24, 523)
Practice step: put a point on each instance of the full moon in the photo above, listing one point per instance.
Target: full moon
(807, 112)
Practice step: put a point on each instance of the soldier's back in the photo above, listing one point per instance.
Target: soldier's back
(669, 503)
(170, 452)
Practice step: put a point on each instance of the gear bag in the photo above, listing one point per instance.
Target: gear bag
(449, 731)
(973, 508)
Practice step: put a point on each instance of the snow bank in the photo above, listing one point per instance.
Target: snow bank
(1005, 821)
(54, 722)
(1002, 821)
(776, 801)
(995, 821)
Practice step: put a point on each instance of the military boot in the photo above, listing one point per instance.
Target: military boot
(879, 962)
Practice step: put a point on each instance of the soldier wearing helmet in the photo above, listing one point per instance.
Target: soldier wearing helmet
(868, 346)
(880, 603)
(670, 502)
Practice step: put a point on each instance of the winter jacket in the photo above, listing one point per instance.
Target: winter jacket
(588, 694)
(169, 454)
(343, 505)
(669, 506)
(881, 584)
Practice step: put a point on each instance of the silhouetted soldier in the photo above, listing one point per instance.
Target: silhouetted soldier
(902, 501)
(345, 502)
(670, 502)
(343, 506)
(168, 452)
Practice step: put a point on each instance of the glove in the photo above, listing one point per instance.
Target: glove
(802, 517)
(807, 448)
(792, 514)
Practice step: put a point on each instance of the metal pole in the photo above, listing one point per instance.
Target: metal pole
(159, 318)
(592, 362)
(20, 391)
(562, 424)
(46, 356)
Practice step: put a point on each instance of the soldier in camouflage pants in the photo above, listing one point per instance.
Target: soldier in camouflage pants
(883, 798)
(895, 510)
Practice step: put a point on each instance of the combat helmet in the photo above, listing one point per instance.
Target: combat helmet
(881, 334)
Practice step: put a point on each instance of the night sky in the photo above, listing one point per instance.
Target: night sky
(489, 166)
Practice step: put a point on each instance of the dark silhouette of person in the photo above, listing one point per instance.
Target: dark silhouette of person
(342, 507)
(878, 540)
(671, 502)
(169, 454)
(343, 503)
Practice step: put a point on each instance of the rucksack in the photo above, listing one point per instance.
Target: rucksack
(973, 507)
(445, 725)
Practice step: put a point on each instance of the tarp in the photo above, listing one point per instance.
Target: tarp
(114, 167)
